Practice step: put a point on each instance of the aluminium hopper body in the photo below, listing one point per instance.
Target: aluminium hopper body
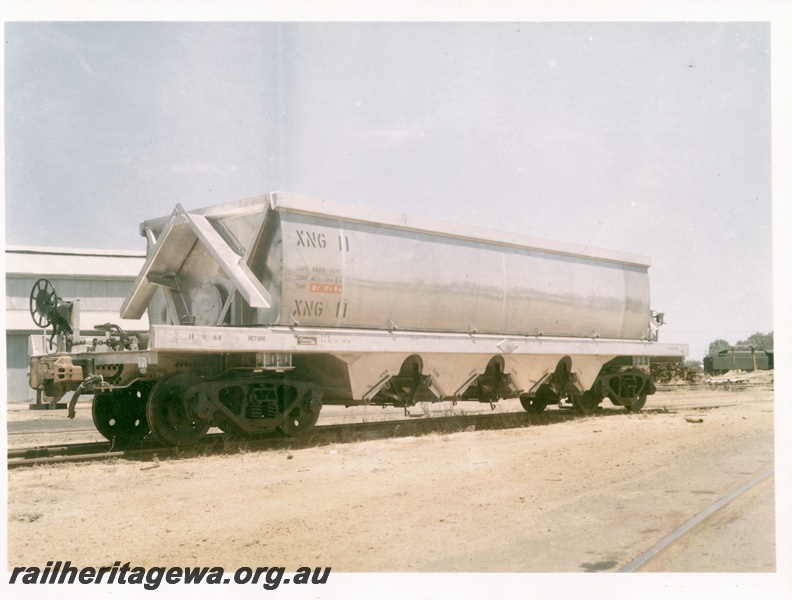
(282, 259)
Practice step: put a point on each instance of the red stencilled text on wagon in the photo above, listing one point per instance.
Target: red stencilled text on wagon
(326, 288)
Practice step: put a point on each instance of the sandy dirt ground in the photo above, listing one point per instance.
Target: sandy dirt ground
(582, 495)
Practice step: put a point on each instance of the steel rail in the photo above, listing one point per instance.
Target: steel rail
(59, 449)
(642, 559)
(656, 406)
(56, 432)
(606, 411)
(342, 432)
(86, 451)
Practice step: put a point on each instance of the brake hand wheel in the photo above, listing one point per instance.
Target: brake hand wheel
(42, 302)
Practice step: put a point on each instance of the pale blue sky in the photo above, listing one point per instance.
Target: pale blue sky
(652, 138)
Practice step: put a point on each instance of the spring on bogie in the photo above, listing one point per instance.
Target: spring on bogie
(262, 403)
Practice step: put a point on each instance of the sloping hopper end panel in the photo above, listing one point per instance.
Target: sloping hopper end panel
(167, 260)
(164, 260)
(247, 284)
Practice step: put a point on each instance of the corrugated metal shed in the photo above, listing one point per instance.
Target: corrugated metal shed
(99, 279)
(73, 263)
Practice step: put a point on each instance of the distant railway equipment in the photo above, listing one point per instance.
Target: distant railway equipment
(742, 358)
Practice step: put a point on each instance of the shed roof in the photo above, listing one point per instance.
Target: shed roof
(73, 262)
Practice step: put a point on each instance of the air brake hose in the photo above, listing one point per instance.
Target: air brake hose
(80, 389)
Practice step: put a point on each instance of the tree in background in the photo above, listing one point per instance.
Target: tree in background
(717, 346)
(760, 341)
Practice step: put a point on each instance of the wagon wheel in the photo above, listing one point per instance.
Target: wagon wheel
(42, 302)
(637, 403)
(585, 403)
(537, 403)
(532, 404)
(226, 426)
(121, 416)
(301, 417)
(171, 416)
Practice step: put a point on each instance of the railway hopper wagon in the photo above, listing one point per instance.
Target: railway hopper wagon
(263, 310)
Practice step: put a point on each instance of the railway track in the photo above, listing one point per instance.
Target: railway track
(645, 558)
(323, 434)
(737, 386)
(57, 453)
(54, 432)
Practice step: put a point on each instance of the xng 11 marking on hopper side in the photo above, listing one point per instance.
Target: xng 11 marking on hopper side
(311, 239)
(424, 311)
(308, 308)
